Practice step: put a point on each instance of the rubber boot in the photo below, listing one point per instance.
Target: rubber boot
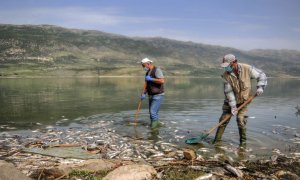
(242, 132)
(154, 124)
(219, 134)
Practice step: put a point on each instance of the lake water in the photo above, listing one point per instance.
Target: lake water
(191, 105)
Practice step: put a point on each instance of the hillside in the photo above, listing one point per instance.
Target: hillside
(27, 50)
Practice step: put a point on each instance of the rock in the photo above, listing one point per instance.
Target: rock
(9, 172)
(189, 154)
(92, 165)
(55, 172)
(132, 172)
(171, 154)
(286, 175)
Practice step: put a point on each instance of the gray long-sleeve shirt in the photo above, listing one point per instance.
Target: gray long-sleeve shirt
(255, 73)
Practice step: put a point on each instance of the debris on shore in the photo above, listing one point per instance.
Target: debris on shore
(96, 150)
(112, 156)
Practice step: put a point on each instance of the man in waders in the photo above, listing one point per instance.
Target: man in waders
(154, 87)
(237, 89)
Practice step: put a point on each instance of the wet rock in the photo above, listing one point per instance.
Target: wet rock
(132, 172)
(9, 171)
(286, 175)
(189, 154)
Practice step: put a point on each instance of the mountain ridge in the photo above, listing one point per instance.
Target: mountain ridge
(54, 50)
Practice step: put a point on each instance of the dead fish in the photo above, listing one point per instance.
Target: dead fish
(218, 171)
(155, 147)
(252, 156)
(200, 158)
(203, 149)
(274, 158)
(276, 151)
(204, 177)
(198, 168)
(234, 171)
(157, 155)
(111, 155)
(159, 174)
(295, 154)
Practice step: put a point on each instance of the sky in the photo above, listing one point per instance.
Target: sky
(241, 24)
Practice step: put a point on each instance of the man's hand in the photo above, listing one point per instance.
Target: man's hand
(234, 111)
(143, 96)
(259, 91)
(149, 78)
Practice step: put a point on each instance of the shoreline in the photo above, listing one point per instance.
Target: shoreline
(127, 76)
(165, 160)
(42, 166)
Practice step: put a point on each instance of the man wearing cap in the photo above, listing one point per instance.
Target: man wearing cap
(154, 87)
(237, 89)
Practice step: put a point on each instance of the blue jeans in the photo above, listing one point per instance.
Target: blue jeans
(154, 105)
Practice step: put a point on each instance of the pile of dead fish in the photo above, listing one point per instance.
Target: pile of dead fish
(97, 138)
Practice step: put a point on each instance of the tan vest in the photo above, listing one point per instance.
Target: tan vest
(242, 86)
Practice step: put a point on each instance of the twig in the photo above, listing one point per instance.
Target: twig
(41, 174)
(60, 177)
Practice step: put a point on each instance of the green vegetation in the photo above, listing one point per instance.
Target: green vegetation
(87, 175)
(44, 50)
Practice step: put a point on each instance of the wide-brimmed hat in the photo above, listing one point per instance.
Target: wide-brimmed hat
(227, 59)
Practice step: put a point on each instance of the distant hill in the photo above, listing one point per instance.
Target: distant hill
(34, 50)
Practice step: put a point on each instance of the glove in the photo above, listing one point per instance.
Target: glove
(149, 78)
(259, 91)
(143, 96)
(234, 111)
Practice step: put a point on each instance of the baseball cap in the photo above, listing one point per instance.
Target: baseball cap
(227, 59)
(146, 60)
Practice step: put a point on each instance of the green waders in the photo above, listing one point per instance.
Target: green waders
(241, 122)
(221, 129)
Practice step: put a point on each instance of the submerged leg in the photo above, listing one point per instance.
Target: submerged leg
(221, 129)
(226, 112)
(154, 106)
(241, 122)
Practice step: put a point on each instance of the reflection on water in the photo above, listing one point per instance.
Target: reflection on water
(191, 105)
